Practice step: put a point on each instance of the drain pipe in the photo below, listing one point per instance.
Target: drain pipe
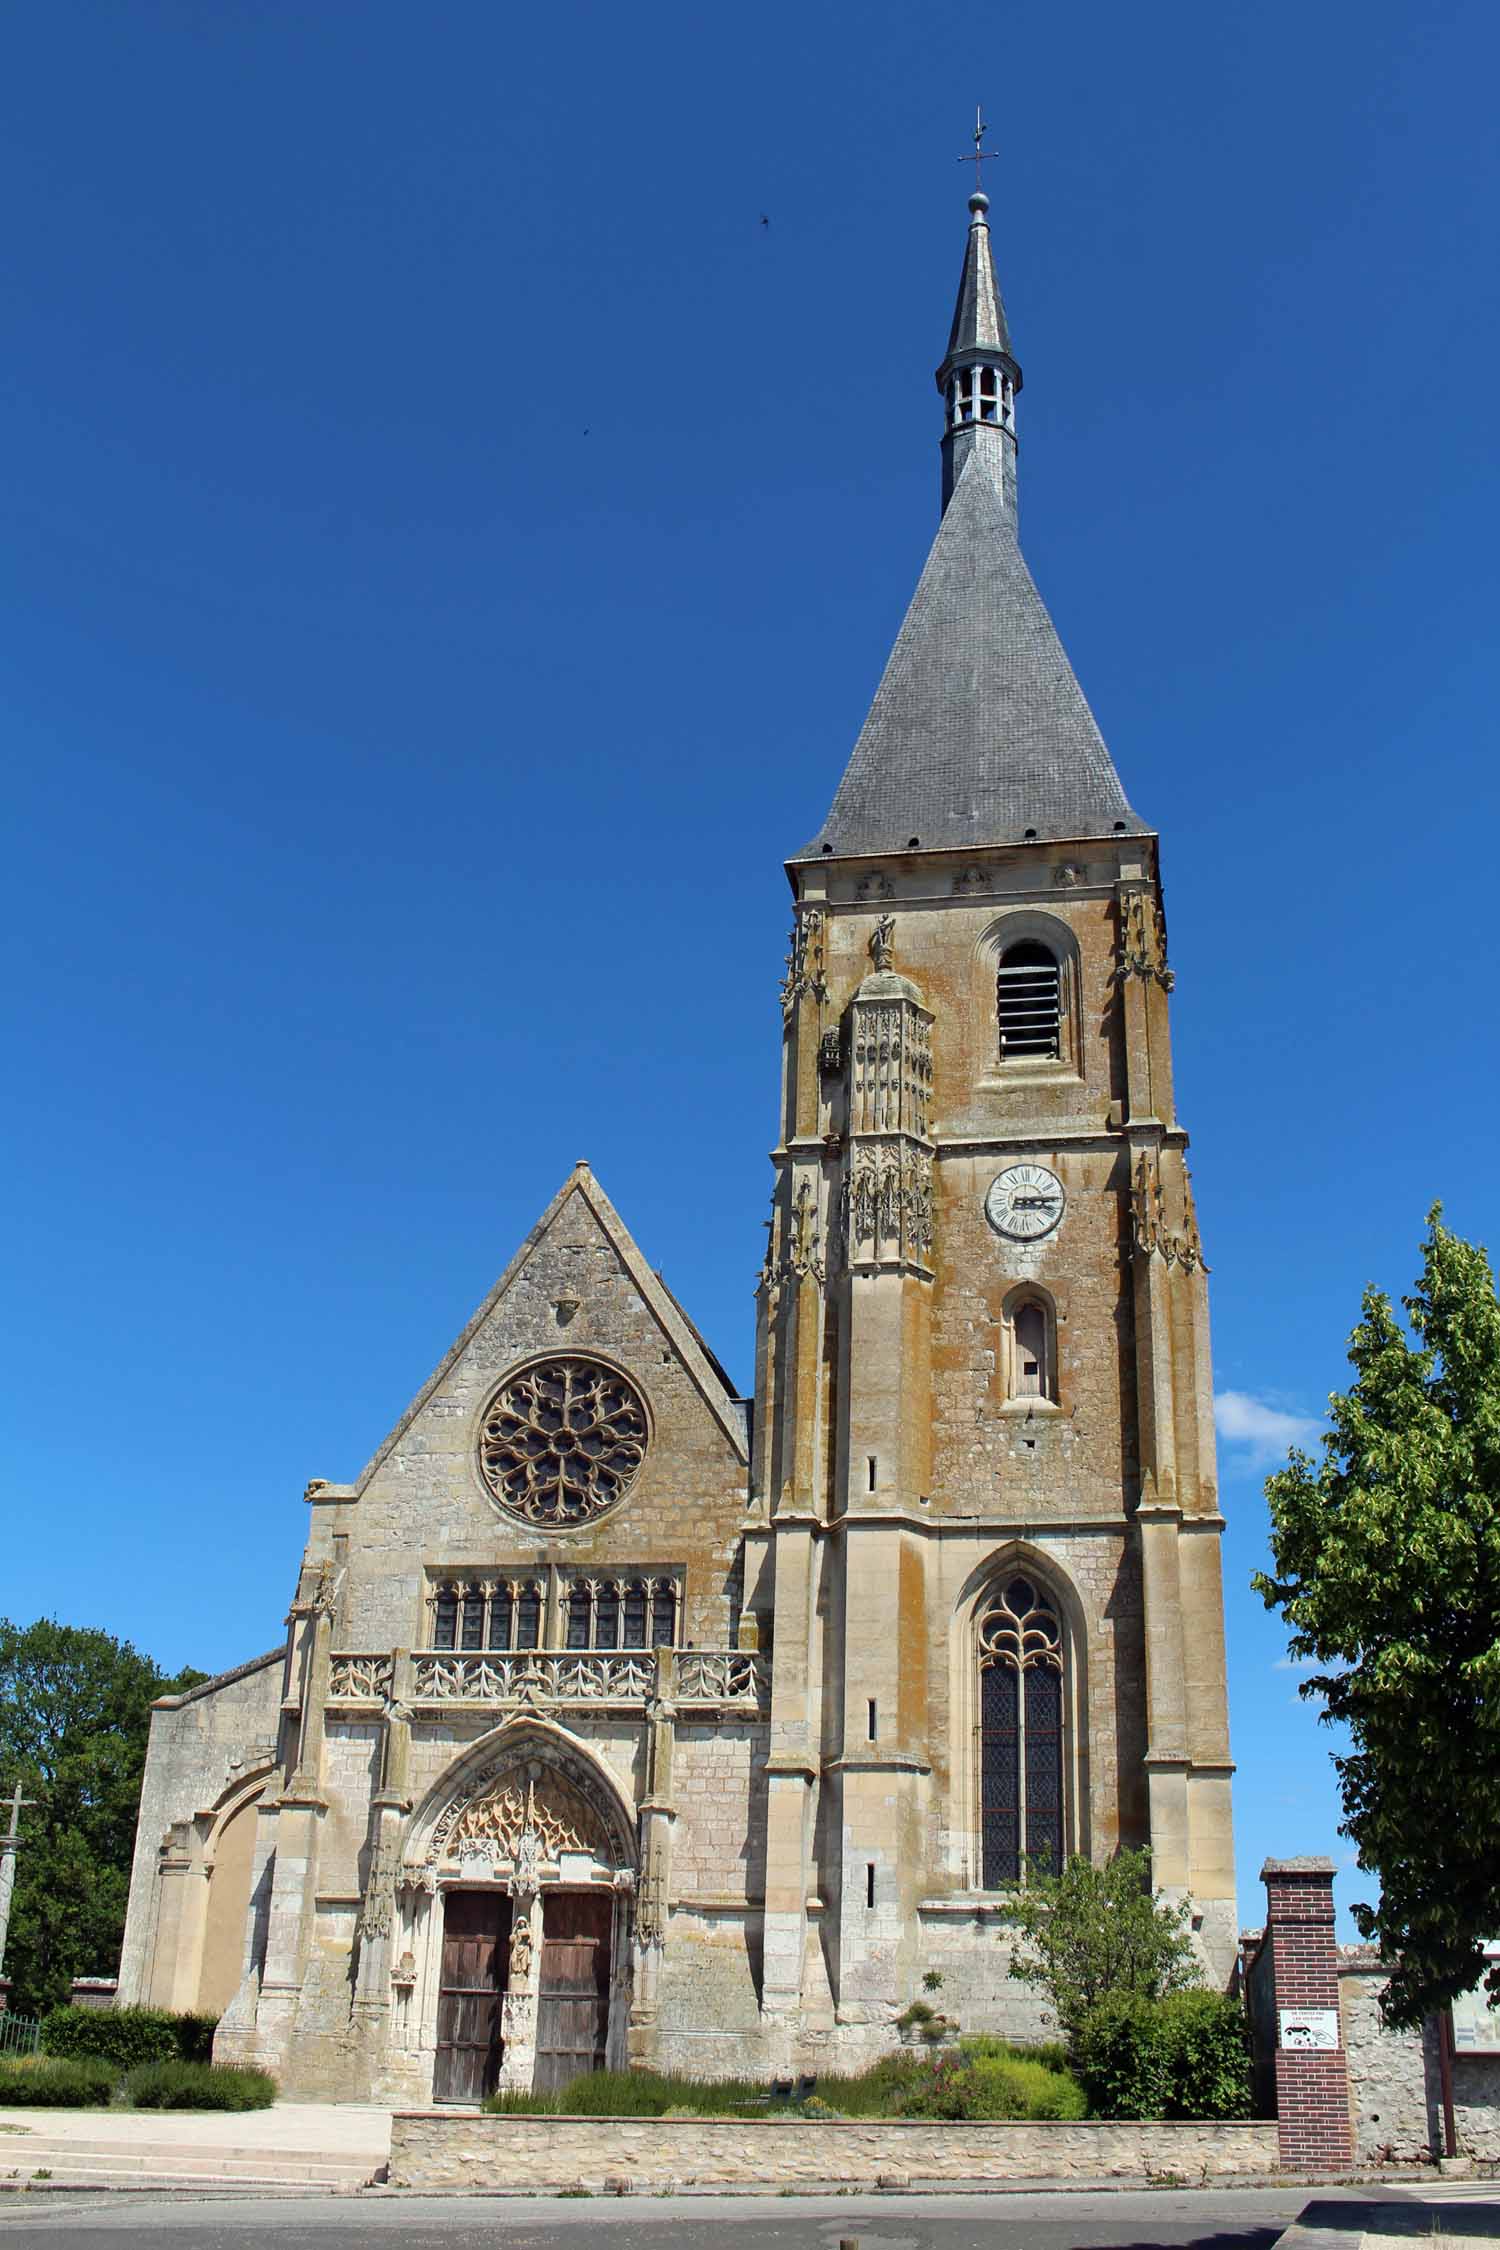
(1445, 2078)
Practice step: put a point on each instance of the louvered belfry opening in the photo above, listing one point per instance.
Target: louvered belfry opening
(1028, 1002)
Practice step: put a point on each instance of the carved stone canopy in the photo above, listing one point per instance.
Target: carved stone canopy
(519, 1816)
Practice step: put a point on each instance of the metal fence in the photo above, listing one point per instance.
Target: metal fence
(19, 2035)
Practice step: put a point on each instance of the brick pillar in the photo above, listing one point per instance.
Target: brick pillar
(1312, 2082)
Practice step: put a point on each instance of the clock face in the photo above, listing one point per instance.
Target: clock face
(1025, 1202)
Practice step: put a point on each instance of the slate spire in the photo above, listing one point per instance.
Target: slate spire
(979, 732)
(979, 377)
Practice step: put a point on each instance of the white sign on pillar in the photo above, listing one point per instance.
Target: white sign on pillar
(1308, 2030)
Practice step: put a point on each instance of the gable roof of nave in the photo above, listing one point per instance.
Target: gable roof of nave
(707, 1375)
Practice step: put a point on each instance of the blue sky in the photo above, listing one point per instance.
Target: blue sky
(450, 543)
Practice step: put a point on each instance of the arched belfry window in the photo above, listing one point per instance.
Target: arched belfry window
(1020, 1732)
(1028, 1002)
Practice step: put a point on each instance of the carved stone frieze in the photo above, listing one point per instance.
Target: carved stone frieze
(874, 886)
(805, 1246)
(1151, 1234)
(890, 1067)
(970, 882)
(805, 962)
(887, 1204)
(1143, 939)
(517, 1817)
(378, 1910)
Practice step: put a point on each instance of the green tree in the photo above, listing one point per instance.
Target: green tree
(1096, 1933)
(1387, 1570)
(75, 1710)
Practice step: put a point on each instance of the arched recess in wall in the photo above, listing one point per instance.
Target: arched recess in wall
(230, 1861)
(1020, 1680)
(1014, 947)
(1029, 1348)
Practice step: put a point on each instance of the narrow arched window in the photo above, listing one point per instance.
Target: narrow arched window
(527, 1593)
(1020, 1733)
(577, 1634)
(472, 1633)
(445, 1617)
(502, 1616)
(607, 1614)
(1030, 1351)
(1028, 1002)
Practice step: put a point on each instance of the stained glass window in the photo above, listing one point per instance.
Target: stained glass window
(1021, 1762)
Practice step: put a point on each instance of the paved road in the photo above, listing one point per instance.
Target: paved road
(1123, 2219)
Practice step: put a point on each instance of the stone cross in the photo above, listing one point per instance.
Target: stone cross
(8, 1843)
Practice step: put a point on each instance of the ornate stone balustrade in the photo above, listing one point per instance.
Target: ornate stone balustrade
(360, 1679)
(723, 1676)
(535, 1676)
(700, 1679)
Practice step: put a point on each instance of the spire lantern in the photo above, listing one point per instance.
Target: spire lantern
(980, 376)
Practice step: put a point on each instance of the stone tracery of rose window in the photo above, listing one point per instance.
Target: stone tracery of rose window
(561, 1442)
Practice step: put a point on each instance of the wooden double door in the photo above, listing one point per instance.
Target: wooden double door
(572, 2021)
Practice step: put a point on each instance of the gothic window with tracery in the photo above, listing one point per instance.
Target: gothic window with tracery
(562, 1441)
(1021, 1672)
(594, 1610)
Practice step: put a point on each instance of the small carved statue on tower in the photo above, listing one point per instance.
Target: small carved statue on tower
(882, 941)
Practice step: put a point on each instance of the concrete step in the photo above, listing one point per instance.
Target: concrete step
(154, 2183)
(135, 2160)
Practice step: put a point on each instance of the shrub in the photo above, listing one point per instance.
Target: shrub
(1186, 2055)
(1120, 2056)
(1208, 2052)
(1092, 1933)
(127, 2036)
(56, 2082)
(192, 2085)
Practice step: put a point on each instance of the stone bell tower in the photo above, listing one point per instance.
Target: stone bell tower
(984, 1529)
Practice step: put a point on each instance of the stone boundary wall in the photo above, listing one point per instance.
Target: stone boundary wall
(466, 2149)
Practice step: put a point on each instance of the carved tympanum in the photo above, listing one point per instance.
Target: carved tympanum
(562, 1442)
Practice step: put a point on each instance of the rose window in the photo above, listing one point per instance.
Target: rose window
(562, 1442)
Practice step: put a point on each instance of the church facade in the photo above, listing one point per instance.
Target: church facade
(620, 1718)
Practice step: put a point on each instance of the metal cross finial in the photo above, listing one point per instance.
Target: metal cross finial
(982, 155)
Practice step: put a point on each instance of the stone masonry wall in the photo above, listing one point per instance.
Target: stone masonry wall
(1394, 2083)
(441, 2149)
(201, 1744)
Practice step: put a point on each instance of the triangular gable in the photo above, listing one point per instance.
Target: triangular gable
(679, 1331)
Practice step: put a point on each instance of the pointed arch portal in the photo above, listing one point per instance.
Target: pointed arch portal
(526, 1849)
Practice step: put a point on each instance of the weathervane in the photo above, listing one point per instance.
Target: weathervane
(981, 154)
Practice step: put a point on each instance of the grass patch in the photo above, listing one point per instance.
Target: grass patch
(984, 2080)
(186, 2085)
